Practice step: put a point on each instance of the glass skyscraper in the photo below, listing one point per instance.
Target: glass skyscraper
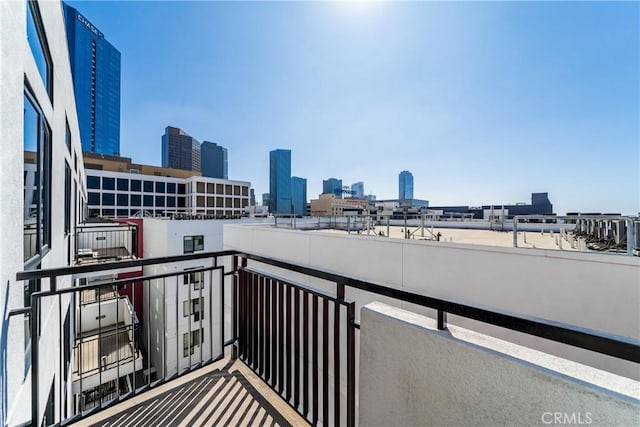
(299, 195)
(280, 201)
(332, 186)
(180, 150)
(357, 190)
(213, 160)
(95, 66)
(405, 185)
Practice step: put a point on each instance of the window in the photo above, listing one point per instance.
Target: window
(122, 212)
(210, 187)
(236, 190)
(37, 191)
(135, 200)
(181, 202)
(67, 199)
(191, 340)
(67, 135)
(123, 200)
(171, 187)
(148, 200)
(193, 243)
(245, 191)
(194, 307)
(148, 186)
(123, 184)
(108, 183)
(219, 188)
(108, 199)
(93, 182)
(196, 279)
(228, 190)
(159, 187)
(200, 187)
(160, 201)
(136, 185)
(171, 202)
(38, 44)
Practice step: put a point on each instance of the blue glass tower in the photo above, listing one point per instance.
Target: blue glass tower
(332, 186)
(299, 195)
(95, 66)
(280, 182)
(405, 185)
(213, 160)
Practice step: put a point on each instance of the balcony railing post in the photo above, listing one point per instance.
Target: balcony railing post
(34, 360)
(442, 320)
(351, 365)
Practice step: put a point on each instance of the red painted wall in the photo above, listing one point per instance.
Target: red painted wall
(137, 287)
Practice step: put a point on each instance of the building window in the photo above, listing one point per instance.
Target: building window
(38, 44)
(148, 187)
(122, 212)
(194, 307)
(196, 279)
(190, 340)
(123, 200)
(160, 201)
(67, 199)
(210, 188)
(171, 187)
(135, 200)
(171, 202)
(181, 189)
(200, 187)
(136, 185)
(219, 188)
(93, 182)
(148, 200)
(193, 243)
(37, 191)
(159, 187)
(123, 184)
(182, 202)
(108, 183)
(67, 135)
(108, 199)
(245, 191)
(228, 190)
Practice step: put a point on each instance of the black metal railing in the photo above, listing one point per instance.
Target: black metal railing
(105, 242)
(288, 333)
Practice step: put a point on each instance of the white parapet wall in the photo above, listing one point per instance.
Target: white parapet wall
(590, 290)
(412, 374)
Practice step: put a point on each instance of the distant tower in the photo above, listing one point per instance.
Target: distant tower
(405, 185)
(357, 190)
(213, 160)
(280, 182)
(332, 186)
(180, 150)
(299, 195)
(252, 197)
(265, 199)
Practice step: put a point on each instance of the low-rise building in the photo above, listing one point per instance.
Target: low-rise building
(330, 205)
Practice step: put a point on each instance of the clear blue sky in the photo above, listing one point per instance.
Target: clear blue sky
(482, 102)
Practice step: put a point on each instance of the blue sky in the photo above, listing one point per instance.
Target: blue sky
(482, 102)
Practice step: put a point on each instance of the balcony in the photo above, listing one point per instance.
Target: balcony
(105, 241)
(308, 337)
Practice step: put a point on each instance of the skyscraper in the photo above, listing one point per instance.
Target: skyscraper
(357, 190)
(252, 197)
(332, 186)
(405, 185)
(299, 195)
(95, 66)
(280, 182)
(180, 150)
(213, 160)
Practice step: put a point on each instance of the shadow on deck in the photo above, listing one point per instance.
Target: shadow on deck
(226, 393)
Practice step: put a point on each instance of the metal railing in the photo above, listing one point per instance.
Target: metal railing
(279, 328)
(105, 242)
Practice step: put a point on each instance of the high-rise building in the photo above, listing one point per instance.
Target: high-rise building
(405, 185)
(299, 195)
(252, 197)
(332, 186)
(280, 182)
(95, 66)
(357, 190)
(213, 160)
(180, 150)
(265, 199)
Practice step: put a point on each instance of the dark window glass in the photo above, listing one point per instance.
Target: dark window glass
(93, 213)
(67, 135)
(67, 198)
(108, 183)
(181, 189)
(171, 187)
(193, 243)
(181, 202)
(159, 187)
(93, 182)
(123, 200)
(123, 184)
(107, 212)
(148, 187)
(123, 212)
(160, 201)
(171, 202)
(135, 200)
(136, 185)
(37, 191)
(148, 200)
(93, 198)
(108, 199)
(38, 44)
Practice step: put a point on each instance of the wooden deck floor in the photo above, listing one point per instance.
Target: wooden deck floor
(225, 396)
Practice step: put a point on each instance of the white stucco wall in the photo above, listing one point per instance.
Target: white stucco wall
(595, 291)
(412, 374)
(17, 65)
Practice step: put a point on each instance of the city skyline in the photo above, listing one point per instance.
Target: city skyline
(483, 102)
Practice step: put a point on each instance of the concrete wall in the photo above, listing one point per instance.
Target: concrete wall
(595, 291)
(412, 374)
(16, 66)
